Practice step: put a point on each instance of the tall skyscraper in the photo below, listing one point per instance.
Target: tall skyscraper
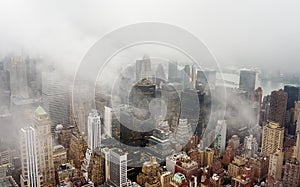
(297, 147)
(293, 95)
(220, 136)
(186, 77)
(94, 130)
(247, 81)
(117, 167)
(56, 97)
(172, 72)
(93, 138)
(272, 138)
(18, 78)
(31, 175)
(143, 69)
(275, 164)
(42, 124)
(278, 104)
(108, 121)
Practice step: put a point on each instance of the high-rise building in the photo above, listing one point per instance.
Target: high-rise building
(78, 147)
(297, 147)
(272, 138)
(293, 95)
(18, 78)
(250, 146)
(159, 142)
(143, 69)
(234, 142)
(186, 77)
(172, 72)
(183, 133)
(220, 136)
(56, 98)
(31, 175)
(291, 174)
(93, 138)
(94, 130)
(42, 124)
(118, 167)
(108, 121)
(247, 81)
(96, 169)
(278, 104)
(275, 164)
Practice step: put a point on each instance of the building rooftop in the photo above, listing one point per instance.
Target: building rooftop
(40, 111)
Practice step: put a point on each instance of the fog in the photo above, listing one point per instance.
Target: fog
(246, 33)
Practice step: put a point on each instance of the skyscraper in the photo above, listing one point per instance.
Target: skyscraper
(42, 124)
(31, 176)
(108, 121)
(93, 138)
(56, 97)
(18, 78)
(94, 130)
(293, 95)
(172, 72)
(247, 81)
(117, 167)
(220, 136)
(275, 164)
(143, 69)
(272, 138)
(297, 147)
(278, 104)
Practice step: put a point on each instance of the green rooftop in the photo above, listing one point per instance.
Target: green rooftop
(40, 111)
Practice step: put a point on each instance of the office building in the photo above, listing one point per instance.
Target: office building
(18, 78)
(272, 138)
(42, 124)
(56, 97)
(183, 133)
(96, 169)
(172, 71)
(108, 121)
(220, 136)
(297, 147)
(275, 164)
(143, 69)
(94, 130)
(78, 147)
(247, 81)
(31, 175)
(293, 95)
(117, 167)
(278, 104)
(159, 142)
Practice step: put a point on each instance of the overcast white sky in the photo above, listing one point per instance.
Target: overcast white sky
(262, 33)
